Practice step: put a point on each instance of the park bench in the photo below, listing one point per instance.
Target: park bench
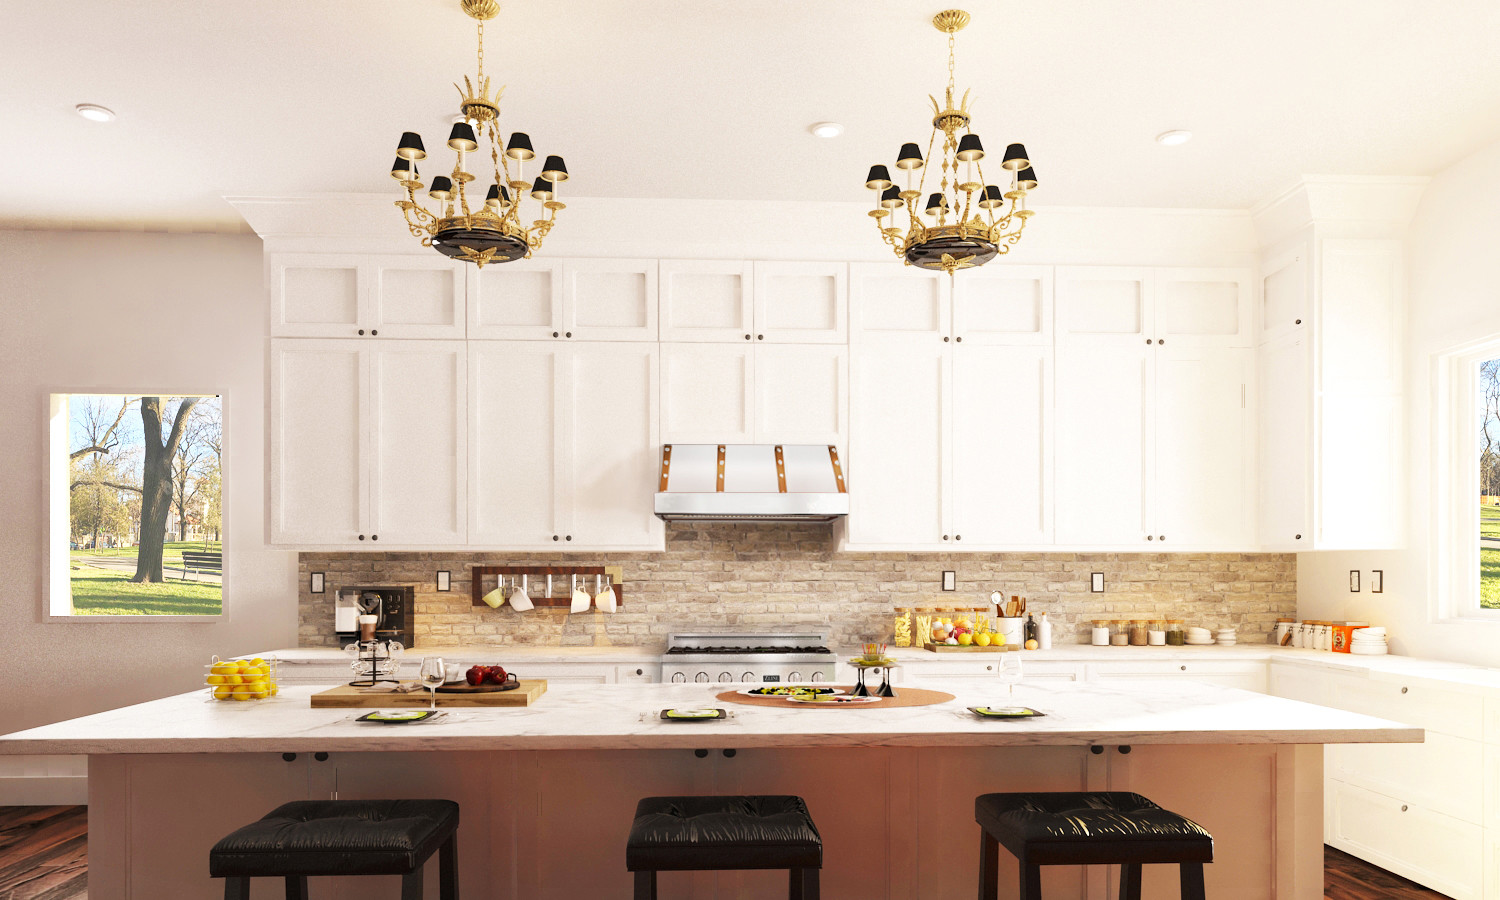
(202, 561)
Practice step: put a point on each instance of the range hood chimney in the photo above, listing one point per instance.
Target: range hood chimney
(751, 483)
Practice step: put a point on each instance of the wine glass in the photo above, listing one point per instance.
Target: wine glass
(433, 673)
(1010, 671)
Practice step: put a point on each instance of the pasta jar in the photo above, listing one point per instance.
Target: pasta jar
(902, 626)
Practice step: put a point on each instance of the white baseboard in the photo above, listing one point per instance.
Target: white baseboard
(44, 780)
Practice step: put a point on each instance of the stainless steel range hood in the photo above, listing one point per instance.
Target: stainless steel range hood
(751, 482)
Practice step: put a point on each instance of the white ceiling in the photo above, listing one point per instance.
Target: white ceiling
(712, 99)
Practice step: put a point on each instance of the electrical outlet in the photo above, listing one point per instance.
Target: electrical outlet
(950, 580)
(1096, 583)
(1377, 581)
(1353, 581)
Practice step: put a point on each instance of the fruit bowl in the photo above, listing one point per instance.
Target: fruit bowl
(241, 679)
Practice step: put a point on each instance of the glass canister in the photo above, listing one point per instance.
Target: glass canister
(901, 626)
(1156, 635)
(1138, 629)
(1119, 635)
(1099, 634)
(1283, 629)
(1176, 634)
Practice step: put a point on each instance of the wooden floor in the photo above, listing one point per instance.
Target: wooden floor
(44, 856)
(44, 852)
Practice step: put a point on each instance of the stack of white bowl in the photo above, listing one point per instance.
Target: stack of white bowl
(1226, 636)
(1369, 641)
(1196, 635)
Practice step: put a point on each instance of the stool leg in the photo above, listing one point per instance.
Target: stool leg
(1192, 881)
(1130, 881)
(296, 887)
(236, 888)
(447, 869)
(810, 884)
(645, 885)
(989, 866)
(794, 884)
(411, 885)
(1031, 881)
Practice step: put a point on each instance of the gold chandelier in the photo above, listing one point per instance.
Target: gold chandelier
(960, 231)
(493, 231)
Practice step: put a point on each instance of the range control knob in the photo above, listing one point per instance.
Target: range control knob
(679, 677)
(794, 676)
(725, 676)
(748, 676)
(817, 676)
(701, 678)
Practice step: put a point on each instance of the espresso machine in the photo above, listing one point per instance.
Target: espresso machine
(391, 607)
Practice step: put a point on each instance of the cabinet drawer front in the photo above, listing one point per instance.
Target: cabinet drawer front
(1442, 774)
(1414, 703)
(1249, 676)
(1429, 848)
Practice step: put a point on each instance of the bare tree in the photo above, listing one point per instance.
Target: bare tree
(96, 467)
(188, 467)
(1489, 427)
(156, 481)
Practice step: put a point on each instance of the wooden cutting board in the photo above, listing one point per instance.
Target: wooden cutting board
(348, 697)
(962, 648)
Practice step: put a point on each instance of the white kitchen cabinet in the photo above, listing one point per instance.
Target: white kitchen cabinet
(1104, 304)
(1105, 437)
(1002, 454)
(1285, 428)
(565, 299)
(739, 393)
(1004, 304)
(1204, 439)
(404, 296)
(891, 300)
(771, 302)
(368, 442)
(1171, 307)
(565, 445)
(1441, 852)
(1247, 675)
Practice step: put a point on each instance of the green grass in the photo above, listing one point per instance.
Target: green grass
(98, 592)
(171, 551)
(1489, 559)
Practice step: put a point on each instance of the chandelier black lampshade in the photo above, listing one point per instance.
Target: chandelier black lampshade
(541, 189)
(442, 188)
(554, 169)
(520, 147)
(411, 146)
(992, 198)
(497, 198)
(401, 169)
(462, 137)
(936, 202)
(910, 157)
(969, 148)
(1026, 179)
(890, 198)
(879, 178)
(1015, 157)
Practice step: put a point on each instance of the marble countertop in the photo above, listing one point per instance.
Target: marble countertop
(490, 653)
(625, 716)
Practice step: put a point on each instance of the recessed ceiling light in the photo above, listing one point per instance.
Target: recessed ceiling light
(826, 129)
(94, 112)
(1174, 138)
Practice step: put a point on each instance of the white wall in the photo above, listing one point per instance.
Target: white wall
(106, 312)
(1454, 299)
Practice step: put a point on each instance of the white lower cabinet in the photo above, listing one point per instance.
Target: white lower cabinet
(1441, 852)
(1247, 675)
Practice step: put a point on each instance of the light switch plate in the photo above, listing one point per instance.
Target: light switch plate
(1096, 583)
(315, 583)
(950, 580)
(444, 580)
(1377, 581)
(1353, 581)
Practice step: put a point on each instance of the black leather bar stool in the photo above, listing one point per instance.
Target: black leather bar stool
(1083, 829)
(697, 833)
(341, 837)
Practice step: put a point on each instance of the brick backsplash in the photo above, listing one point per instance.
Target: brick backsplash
(755, 577)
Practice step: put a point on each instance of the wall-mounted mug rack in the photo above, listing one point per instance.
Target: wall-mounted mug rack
(484, 579)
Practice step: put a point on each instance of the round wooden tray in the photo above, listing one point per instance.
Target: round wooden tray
(905, 696)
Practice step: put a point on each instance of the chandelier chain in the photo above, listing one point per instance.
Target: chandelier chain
(481, 54)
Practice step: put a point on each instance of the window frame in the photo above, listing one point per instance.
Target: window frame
(57, 585)
(1455, 485)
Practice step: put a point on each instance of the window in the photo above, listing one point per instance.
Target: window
(1487, 391)
(137, 524)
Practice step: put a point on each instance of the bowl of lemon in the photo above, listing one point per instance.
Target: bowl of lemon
(241, 679)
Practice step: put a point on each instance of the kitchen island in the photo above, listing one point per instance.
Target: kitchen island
(548, 791)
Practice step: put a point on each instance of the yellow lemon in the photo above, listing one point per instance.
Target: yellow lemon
(215, 679)
(222, 668)
(274, 689)
(223, 692)
(257, 661)
(243, 692)
(966, 639)
(242, 664)
(982, 639)
(261, 691)
(234, 679)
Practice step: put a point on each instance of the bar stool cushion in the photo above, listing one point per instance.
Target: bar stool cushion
(336, 837)
(1067, 822)
(682, 833)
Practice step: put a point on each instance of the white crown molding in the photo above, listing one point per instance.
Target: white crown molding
(1377, 205)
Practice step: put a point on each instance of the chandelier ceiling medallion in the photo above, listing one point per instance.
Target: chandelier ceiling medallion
(492, 231)
(961, 229)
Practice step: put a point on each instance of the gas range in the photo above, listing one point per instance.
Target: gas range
(705, 657)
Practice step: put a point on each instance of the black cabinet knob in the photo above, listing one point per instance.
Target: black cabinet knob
(554, 334)
(1161, 537)
(321, 756)
(361, 537)
(554, 537)
(1148, 341)
(760, 337)
(289, 757)
(1298, 322)
(945, 339)
(373, 332)
(1150, 538)
(729, 752)
(361, 331)
(958, 537)
(1299, 537)
(747, 337)
(700, 753)
(1096, 750)
(1123, 748)
(1160, 341)
(945, 537)
(568, 334)
(959, 340)
(374, 537)
(568, 537)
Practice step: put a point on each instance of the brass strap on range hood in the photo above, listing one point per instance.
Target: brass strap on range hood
(838, 470)
(719, 487)
(666, 465)
(780, 471)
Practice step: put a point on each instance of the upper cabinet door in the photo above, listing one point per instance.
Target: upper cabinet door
(1204, 444)
(610, 299)
(516, 410)
(1285, 449)
(892, 299)
(316, 295)
(706, 393)
(802, 395)
(707, 300)
(1204, 307)
(1284, 289)
(801, 302)
(521, 300)
(418, 297)
(319, 483)
(1103, 304)
(419, 446)
(612, 448)
(1002, 446)
(1002, 304)
(1104, 436)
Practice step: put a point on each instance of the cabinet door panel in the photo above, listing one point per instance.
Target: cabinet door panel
(1002, 397)
(315, 295)
(1284, 449)
(318, 482)
(1204, 307)
(1203, 434)
(802, 395)
(418, 297)
(801, 302)
(419, 430)
(613, 446)
(1103, 304)
(899, 440)
(1004, 305)
(1104, 434)
(610, 299)
(515, 414)
(707, 300)
(706, 393)
(1284, 292)
(521, 300)
(1429, 848)
(892, 300)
